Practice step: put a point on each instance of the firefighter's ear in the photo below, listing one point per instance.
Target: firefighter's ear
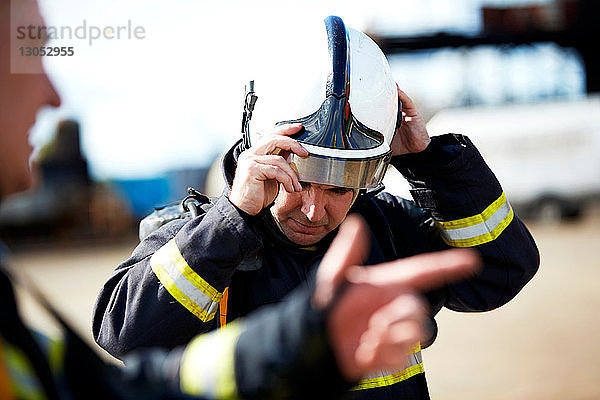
(349, 248)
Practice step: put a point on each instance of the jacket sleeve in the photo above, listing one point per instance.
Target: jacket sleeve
(453, 185)
(170, 288)
(278, 351)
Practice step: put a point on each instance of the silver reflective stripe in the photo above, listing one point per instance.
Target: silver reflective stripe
(413, 359)
(480, 228)
(414, 366)
(185, 285)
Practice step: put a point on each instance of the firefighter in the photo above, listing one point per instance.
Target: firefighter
(32, 366)
(317, 142)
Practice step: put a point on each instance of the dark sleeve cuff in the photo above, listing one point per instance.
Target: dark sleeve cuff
(284, 352)
(251, 220)
(449, 178)
(441, 151)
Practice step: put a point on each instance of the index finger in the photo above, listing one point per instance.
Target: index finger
(286, 129)
(422, 272)
(278, 140)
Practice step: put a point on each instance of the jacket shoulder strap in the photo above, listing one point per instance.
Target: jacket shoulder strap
(193, 205)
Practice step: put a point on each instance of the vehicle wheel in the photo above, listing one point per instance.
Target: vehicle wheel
(550, 212)
(554, 210)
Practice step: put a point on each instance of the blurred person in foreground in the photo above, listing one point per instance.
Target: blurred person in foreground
(353, 322)
(318, 139)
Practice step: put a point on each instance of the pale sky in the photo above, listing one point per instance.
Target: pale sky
(173, 99)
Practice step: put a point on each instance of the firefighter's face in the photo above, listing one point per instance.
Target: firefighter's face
(20, 98)
(306, 217)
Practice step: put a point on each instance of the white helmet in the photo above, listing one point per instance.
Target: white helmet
(337, 82)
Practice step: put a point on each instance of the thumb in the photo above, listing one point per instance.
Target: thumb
(349, 248)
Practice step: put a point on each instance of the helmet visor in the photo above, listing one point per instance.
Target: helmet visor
(343, 151)
(354, 173)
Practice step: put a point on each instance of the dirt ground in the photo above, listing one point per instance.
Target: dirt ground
(543, 345)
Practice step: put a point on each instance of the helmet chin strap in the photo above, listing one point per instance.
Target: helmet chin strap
(249, 101)
(355, 193)
(276, 221)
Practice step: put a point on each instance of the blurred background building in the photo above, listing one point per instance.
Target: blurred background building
(519, 77)
(526, 92)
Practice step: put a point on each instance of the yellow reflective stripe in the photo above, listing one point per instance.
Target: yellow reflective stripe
(389, 380)
(189, 273)
(386, 378)
(207, 367)
(180, 296)
(469, 221)
(480, 228)
(484, 238)
(185, 285)
(24, 381)
(56, 353)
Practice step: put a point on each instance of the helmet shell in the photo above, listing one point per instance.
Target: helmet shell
(339, 86)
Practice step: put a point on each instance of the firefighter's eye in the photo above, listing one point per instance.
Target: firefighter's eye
(339, 191)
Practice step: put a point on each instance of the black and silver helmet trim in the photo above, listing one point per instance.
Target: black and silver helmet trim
(343, 151)
(354, 173)
(333, 125)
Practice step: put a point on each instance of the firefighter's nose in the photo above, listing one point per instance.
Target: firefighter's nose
(312, 205)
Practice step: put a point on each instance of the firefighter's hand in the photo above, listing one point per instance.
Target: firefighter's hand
(261, 169)
(379, 315)
(412, 136)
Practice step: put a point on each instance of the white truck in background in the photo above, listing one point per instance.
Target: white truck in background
(545, 155)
